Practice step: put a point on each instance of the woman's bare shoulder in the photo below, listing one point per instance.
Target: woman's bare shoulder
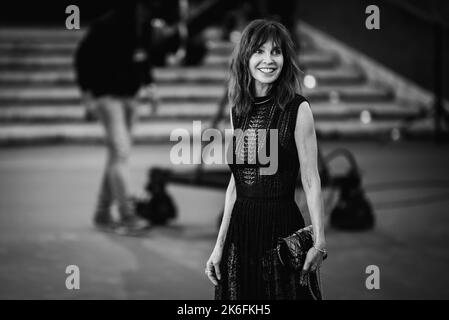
(304, 118)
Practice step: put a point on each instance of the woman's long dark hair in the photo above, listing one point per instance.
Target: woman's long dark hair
(241, 83)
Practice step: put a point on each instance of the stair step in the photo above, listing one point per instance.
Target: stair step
(159, 132)
(190, 92)
(67, 47)
(39, 33)
(202, 111)
(44, 48)
(339, 75)
(67, 78)
(28, 35)
(59, 62)
(13, 134)
(56, 34)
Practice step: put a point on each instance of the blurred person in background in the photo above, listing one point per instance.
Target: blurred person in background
(113, 67)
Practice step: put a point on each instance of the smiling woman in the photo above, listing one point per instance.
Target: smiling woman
(265, 66)
(264, 58)
(260, 209)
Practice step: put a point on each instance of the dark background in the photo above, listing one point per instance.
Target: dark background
(406, 39)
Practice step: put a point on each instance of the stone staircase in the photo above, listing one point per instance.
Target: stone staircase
(40, 102)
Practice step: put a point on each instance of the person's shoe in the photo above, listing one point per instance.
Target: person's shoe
(132, 225)
(105, 223)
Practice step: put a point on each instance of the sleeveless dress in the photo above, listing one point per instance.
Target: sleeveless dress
(264, 210)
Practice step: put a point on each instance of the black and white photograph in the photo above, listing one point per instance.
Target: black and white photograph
(203, 151)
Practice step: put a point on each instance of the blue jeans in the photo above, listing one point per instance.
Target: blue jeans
(117, 116)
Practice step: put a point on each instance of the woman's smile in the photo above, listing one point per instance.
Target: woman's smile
(267, 70)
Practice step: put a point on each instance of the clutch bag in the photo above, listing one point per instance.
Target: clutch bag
(292, 252)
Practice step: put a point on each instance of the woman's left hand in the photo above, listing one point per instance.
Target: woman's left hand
(313, 260)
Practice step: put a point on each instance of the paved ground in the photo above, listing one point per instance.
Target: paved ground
(47, 195)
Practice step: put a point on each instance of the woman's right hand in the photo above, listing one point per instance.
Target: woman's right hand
(213, 266)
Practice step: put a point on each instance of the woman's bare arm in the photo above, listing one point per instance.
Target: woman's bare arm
(213, 263)
(306, 145)
(229, 204)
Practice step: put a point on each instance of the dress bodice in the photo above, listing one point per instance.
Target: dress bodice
(254, 132)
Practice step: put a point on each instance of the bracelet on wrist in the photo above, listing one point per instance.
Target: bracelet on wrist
(323, 251)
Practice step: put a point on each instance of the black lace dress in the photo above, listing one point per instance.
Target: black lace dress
(264, 210)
